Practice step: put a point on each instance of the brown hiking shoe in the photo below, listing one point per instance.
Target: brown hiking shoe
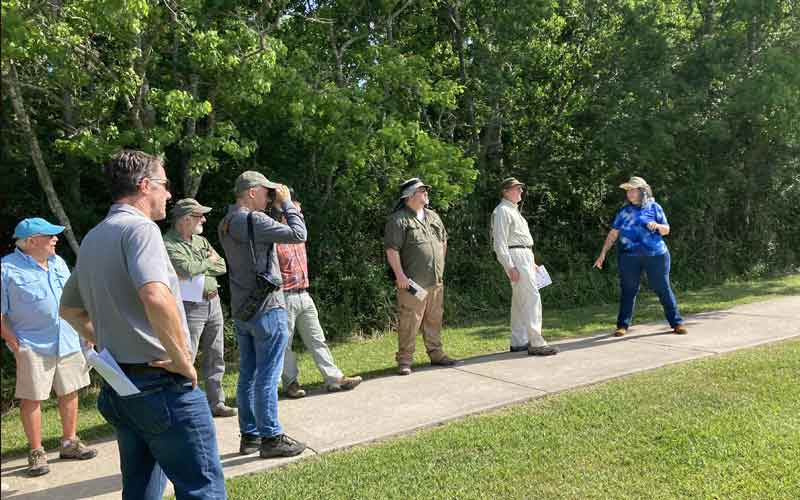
(445, 360)
(620, 331)
(37, 463)
(404, 370)
(75, 449)
(294, 391)
(680, 330)
(344, 384)
(222, 410)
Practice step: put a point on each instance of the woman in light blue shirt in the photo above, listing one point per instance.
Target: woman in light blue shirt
(640, 226)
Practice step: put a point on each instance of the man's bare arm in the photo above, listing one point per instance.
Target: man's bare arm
(78, 319)
(8, 334)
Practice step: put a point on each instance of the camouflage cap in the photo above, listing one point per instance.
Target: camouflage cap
(251, 179)
(188, 206)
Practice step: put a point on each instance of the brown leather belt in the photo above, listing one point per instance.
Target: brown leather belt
(210, 295)
(296, 290)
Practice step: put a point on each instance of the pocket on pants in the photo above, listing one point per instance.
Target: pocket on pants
(146, 412)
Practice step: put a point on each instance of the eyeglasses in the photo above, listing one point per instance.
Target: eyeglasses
(163, 182)
(422, 190)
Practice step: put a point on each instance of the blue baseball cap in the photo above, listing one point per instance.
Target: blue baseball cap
(36, 225)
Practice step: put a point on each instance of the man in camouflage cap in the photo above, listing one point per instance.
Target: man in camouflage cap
(264, 334)
(513, 246)
(192, 255)
(416, 244)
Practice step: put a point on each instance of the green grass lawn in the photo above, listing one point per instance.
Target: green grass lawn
(374, 357)
(723, 427)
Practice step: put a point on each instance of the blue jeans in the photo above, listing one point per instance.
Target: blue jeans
(657, 269)
(165, 431)
(262, 341)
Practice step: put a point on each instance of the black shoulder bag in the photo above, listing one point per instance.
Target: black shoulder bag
(265, 284)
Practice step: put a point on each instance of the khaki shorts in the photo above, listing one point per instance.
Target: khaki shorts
(38, 374)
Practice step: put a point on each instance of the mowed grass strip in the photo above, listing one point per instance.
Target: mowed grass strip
(722, 427)
(374, 356)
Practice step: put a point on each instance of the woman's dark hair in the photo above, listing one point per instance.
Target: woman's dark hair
(127, 169)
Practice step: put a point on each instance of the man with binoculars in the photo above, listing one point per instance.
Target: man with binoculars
(248, 236)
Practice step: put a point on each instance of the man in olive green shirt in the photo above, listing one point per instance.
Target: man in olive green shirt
(416, 243)
(192, 255)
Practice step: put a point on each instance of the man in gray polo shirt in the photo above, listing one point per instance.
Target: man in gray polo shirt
(263, 333)
(124, 296)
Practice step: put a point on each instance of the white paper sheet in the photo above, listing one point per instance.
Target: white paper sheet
(417, 291)
(108, 368)
(192, 289)
(542, 277)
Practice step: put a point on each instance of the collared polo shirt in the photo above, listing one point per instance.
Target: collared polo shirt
(117, 257)
(30, 301)
(420, 244)
(634, 237)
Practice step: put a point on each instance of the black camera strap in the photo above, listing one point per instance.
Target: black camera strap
(251, 236)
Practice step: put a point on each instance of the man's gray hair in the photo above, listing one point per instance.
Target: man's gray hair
(22, 243)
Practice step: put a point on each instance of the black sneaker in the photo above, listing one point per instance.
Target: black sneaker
(250, 443)
(519, 348)
(280, 446)
(544, 350)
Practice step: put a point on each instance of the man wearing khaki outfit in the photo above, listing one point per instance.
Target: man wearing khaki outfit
(416, 244)
(513, 246)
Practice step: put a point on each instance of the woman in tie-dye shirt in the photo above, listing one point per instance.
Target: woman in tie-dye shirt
(640, 226)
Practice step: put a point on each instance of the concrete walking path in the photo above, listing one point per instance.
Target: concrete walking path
(388, 406)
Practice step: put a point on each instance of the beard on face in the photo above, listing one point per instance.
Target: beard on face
(198, 229)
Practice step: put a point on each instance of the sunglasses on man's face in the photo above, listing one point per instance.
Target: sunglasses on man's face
(163, 182)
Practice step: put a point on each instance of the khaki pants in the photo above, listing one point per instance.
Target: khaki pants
(413, 313)
(526, 303)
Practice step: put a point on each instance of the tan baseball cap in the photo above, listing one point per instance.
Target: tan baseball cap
(188, 206)
(510, 182)
(634, 183)
(251, 179)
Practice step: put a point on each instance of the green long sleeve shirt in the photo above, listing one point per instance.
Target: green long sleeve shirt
(192, 258)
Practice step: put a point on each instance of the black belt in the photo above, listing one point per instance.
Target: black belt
(142, 369)
(296, 290)
(520, 246)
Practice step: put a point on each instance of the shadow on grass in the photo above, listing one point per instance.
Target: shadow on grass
(95, 433)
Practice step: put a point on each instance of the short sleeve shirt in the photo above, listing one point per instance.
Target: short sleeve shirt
(30, 298)
(420, 244)
(634, 237)
(124, 252)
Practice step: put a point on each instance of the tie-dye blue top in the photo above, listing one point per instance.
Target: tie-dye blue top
(634, 237)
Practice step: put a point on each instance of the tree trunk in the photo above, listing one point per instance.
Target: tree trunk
(12, 82)
(191, 179)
